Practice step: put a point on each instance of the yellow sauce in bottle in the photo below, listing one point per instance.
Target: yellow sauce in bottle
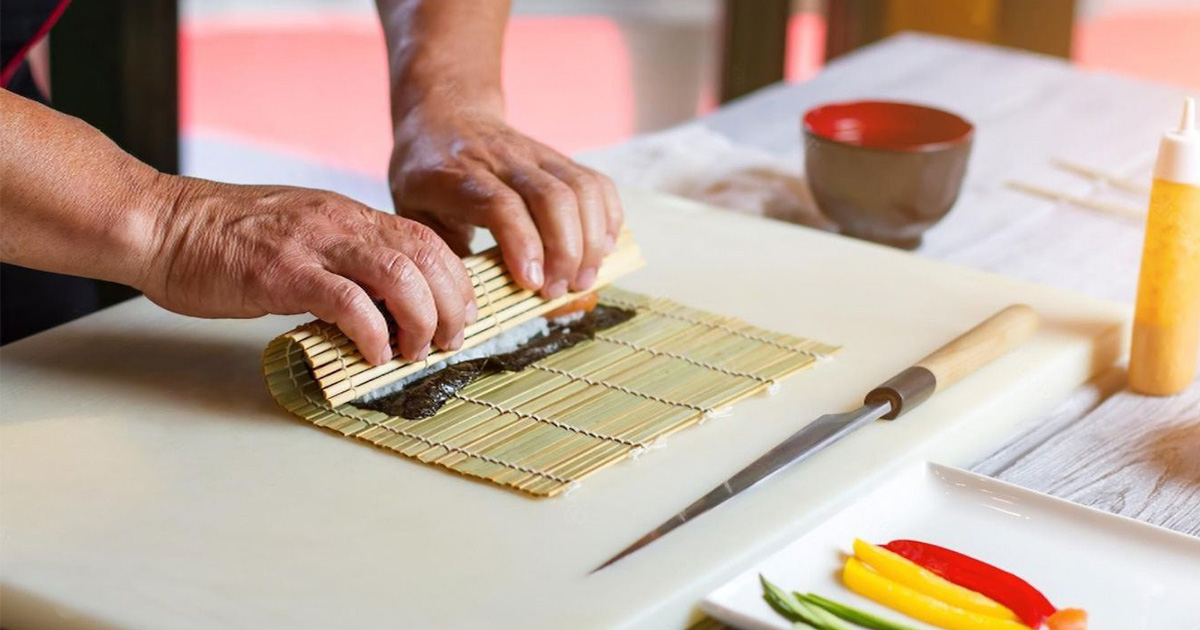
(1166, 331)
(1166, 327)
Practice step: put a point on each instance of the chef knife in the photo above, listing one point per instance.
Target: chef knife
(896, 396)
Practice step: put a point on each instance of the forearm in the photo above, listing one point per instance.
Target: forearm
(444, 50)
(73, 202)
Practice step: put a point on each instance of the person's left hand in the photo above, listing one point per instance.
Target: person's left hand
(456, 166)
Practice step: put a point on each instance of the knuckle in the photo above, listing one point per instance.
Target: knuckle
(423, 323)
(452, 314)
(557, 194)
(429, 321)
(343, 295)
(608, 187)
(594, 249)
(414, 229)
(425, 257)
(587, 183)
(476, 183)
(506, 153)
(399, 268)
(566, 251)
(616, 213)
(602, 180)
(502, 205)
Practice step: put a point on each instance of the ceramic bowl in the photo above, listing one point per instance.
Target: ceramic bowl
(885, 171)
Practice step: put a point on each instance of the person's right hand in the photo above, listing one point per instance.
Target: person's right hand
(225, 250)
(458, 165)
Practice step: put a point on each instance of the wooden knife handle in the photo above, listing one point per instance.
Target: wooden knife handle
(947, 365)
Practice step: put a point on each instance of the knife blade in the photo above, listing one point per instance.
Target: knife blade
(947, 365)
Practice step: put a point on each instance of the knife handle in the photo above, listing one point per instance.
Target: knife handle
(947, 365)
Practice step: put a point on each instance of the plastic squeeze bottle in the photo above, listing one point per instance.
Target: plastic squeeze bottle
(1166, 325)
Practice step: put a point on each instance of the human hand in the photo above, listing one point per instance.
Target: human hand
(245, 251)
(456, 166)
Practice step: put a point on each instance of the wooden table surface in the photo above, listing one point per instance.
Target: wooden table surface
(1105, 447)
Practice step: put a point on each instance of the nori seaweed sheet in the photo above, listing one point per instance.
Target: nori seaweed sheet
(425, 396)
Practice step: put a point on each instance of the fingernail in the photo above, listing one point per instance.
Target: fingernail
(556, 289)
(472, 312)
(610, 243)
(533, 271)
(457, 342)
(385, 355)
(585, 278)
(424, 352)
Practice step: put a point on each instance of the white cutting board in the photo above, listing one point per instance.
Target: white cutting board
(148, 481)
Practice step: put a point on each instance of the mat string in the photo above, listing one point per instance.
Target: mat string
(341, 357)
(537, 418)
(656, 444)
(649, 306)
(621, 388)
(487, 296)
(685, 359)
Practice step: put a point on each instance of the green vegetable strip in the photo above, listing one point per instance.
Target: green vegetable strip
(853, 615)
(793, 608)
(783, 603)
(825, 619)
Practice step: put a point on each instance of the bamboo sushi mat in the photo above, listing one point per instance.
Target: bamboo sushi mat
(344, 375)
(547, 427)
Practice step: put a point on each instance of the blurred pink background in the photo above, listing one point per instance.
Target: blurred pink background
(312, 83)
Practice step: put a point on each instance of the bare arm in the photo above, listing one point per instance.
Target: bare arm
(72, 202)
(447, 49)
(456, 164)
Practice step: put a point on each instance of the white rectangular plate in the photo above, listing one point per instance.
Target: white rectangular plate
(1127, 574)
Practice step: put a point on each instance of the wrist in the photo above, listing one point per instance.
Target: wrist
(425, 83)
(144, 233)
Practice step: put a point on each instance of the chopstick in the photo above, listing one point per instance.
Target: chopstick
(1121, 183)
(1115, 209)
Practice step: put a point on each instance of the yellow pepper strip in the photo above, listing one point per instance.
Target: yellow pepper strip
(866, 582)
(908, 573)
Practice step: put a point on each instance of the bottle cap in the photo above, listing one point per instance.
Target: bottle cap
(1179, 152)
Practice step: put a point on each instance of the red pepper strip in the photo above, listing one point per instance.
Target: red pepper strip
(1030, 606)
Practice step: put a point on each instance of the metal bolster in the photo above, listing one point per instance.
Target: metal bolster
(904, 391)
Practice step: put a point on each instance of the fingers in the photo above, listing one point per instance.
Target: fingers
(393, 278)
(555, 211)
(407, 289)
(554, 220)
(503, 211)
(593, 219)
(615, 212)
(340, 301)
(453, 293)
